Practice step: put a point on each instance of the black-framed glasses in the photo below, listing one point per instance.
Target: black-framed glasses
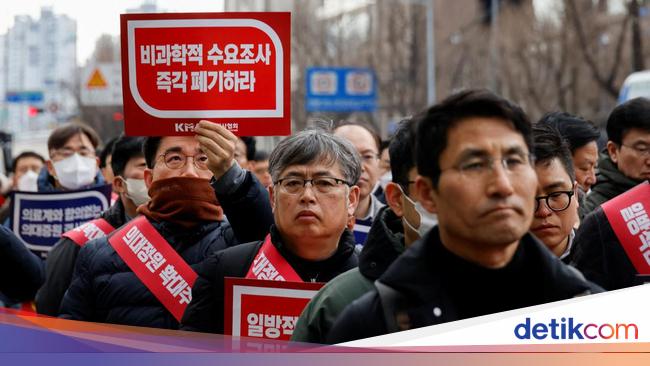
(556, 201)
(177, 160)
(324, 185)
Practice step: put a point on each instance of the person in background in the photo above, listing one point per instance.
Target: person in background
(24, 169)
(260, 167)
(582, 137)
(72, 162)
(556, 203)
(105, 157)
(128, 165)
(367, 143)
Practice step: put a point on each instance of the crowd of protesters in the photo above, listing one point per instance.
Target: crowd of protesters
(469, 209)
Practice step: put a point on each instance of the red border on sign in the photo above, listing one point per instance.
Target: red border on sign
(140, 120)
(231, 282)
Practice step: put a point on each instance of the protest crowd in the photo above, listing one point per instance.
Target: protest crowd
(470, 208)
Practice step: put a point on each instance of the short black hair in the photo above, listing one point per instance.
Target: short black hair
(635, 113)
(548, 144)
(149, 149)
(436, 121)
(63, 133)
(401, 152)
(261, 155)
(108, 150)
(23, 155)
(577, 131)
(250, 143)
(125, 148)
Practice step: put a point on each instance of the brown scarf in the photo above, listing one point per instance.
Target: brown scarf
(183, 201)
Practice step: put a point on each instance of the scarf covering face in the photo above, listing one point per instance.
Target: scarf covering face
(183, 201)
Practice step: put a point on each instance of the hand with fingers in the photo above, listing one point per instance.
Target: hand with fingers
(219, 144)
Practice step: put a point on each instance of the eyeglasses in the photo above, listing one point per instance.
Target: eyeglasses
(323, 185)
(641, 151)
(556, 201)
(481, 167)
(177, 160)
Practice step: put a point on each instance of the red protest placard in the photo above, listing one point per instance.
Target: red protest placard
(628, 216)
(230, 68)
(263, 308)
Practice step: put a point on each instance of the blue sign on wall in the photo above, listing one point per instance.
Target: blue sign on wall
(341, 89)
(40, 218)
(25, 96)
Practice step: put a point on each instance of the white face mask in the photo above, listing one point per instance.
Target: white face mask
(75, 171)
(137, 191)
(427, 219)
(28, 182)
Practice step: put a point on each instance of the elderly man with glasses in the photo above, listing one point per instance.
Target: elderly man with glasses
(142, 273)
(476, 174)
(556, 203)
(313, 194)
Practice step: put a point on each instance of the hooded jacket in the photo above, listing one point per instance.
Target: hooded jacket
(610, 182)
(435, 286)
(206, 311)
(384, 244)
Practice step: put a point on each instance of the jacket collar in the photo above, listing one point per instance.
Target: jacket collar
(384, 244)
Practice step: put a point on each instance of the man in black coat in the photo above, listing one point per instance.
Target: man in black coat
(21, 271)
(313, 196)
(476, 174)
(598, 251)
(184, 210)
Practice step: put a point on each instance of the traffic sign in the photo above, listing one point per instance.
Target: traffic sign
(24, 96)
(101, 84)
(230, 68)
(341, 89)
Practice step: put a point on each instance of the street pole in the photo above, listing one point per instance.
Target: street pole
(431, 56)
(494, 52)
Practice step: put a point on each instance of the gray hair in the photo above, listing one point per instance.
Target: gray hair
(315, 146)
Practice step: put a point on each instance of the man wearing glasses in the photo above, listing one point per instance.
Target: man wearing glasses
(312, 196)
(556, 204)
(182, 176)
(598, 252)
(73, 163)
(476, 174)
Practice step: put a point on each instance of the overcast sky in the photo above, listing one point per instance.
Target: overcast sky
(95, 17)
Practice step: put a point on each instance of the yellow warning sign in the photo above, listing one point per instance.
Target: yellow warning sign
(96, 80)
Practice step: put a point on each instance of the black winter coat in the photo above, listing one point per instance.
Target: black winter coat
(206, 311)
(598, 254)
(435, 286)
(21, 271)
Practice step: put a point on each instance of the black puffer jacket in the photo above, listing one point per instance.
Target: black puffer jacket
(60, 264)
(104, 289)
(206, 311)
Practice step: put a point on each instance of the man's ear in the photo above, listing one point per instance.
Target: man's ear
(394, 198)
(426, 194)
(148, 177)
(119, 185)
(353, 199)
(50, 168)
(612, 150)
